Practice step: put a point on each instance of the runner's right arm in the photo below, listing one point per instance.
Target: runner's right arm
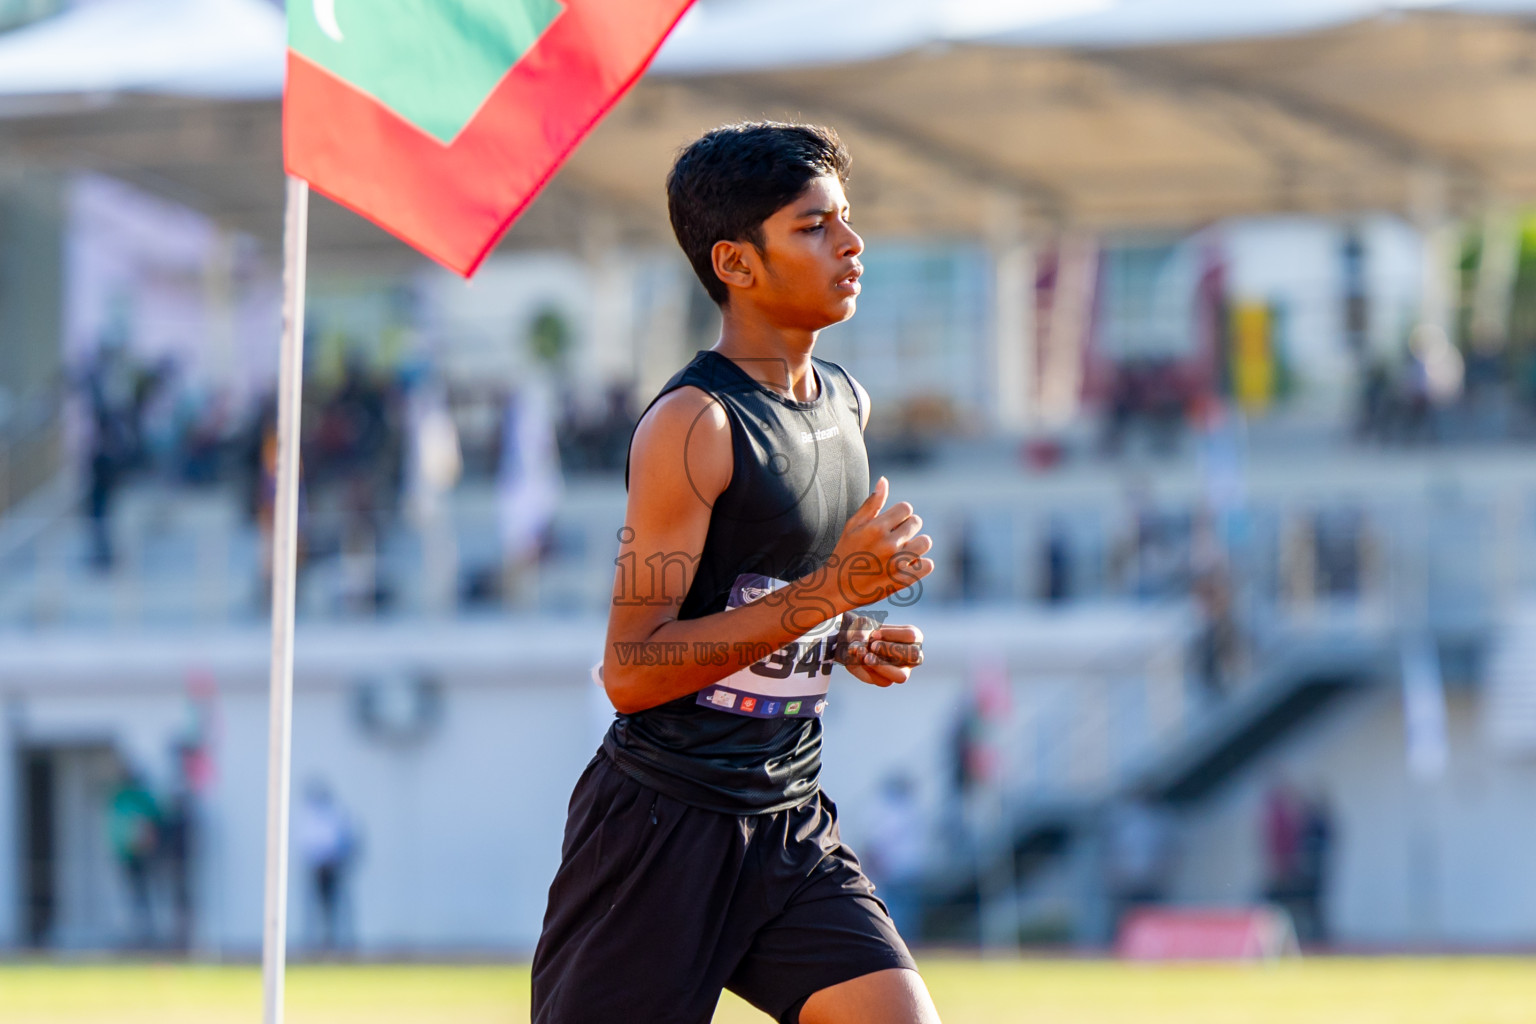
(680, 463)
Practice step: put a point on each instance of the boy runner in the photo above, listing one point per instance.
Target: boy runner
(699, 852)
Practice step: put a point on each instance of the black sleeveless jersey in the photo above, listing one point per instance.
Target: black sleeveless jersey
(752, 744)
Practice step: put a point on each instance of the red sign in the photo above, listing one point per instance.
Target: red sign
(1170, 933)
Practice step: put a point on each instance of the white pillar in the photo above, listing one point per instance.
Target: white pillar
(1428, 207)
(660, 325)
(1431, 339)
(1012, 389)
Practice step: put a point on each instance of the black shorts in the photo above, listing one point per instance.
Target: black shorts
(659, 905)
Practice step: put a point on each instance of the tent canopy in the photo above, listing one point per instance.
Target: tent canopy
(747, 35)
(1105, 114)
(227, 49)
(1101, 114)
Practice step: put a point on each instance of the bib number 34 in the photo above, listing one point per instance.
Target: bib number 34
(809, 657)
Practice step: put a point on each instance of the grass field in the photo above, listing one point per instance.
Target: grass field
(1330, 991)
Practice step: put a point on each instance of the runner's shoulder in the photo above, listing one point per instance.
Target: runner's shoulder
(861, 396)
(684, 412)
(690, 422)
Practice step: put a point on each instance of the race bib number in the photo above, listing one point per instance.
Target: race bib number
(790, 682)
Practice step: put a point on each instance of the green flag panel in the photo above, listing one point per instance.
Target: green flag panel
(433, 62)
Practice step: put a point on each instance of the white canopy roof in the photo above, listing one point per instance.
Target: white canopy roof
(752, 35)
(235, 48)
(1109, 113)
(749, 35)
(1097, 113)
(228, 49)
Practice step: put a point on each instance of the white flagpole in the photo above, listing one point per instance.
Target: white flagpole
(290, 379)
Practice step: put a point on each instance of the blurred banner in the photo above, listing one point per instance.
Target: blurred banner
(1253, 361)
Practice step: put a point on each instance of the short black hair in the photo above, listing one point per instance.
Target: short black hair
(724, 185)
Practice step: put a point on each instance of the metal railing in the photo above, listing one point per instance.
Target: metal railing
(1308, 557)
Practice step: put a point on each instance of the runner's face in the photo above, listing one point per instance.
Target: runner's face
(811, 266)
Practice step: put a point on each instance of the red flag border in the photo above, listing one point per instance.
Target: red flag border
(550, 55)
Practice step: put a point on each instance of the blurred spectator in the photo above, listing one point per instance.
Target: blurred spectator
(258, 465)
(1139, 848)
(116, 392)
(352, 429)
(1373, 419)
(528, 486)
(598, 443)
(1150, 558)
(894, 853)
(1217, 643)
(179, 832)
(1057, 570)
(975, 750)
(358, 455)
(1153, 396)
(134, 827)
(1339, 534)
(1284, 819)
(434, 464)
(1315, 856)
(258, 471)
(1439, 368)
(1298, 845)
(1431, 394)
(968, 768)
(617, 425)
(105, 467)
(202, 425)
(1120, 413)
(968, 583)
(478, 416)
(967, 750)
(177, 854)
(327, 845)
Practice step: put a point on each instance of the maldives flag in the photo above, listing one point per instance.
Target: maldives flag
(440, 120)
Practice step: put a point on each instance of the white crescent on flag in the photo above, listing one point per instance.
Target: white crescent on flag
(325, 14)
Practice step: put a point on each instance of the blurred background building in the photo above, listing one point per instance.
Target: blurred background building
(1203, 338)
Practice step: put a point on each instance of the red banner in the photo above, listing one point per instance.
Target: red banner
(1167, 933)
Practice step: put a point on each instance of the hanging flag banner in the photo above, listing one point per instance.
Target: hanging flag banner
(440, 120)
